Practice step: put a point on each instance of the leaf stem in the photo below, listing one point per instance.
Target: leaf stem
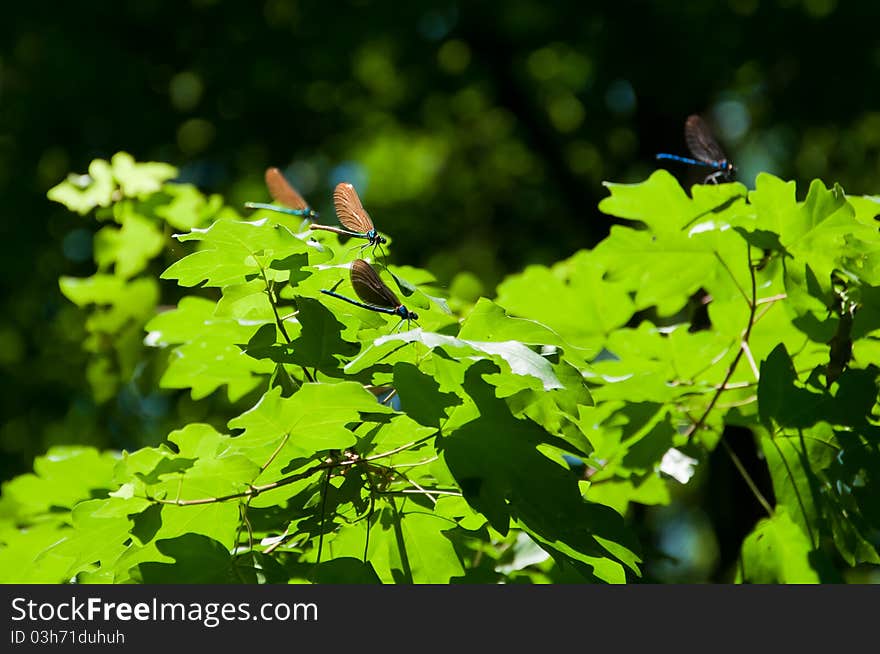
(797, 492)
(273, 302)
(735, 282)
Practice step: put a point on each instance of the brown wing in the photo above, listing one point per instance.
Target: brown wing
(282, 192)
(700, 141)
(349, 210)
(369, 286)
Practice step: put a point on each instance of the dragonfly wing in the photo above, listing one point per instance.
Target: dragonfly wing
(349, 210)
(700, 141)
(369, 286)
(282, 192)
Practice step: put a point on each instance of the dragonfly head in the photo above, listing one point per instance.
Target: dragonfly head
(406, 314)
(312, 214)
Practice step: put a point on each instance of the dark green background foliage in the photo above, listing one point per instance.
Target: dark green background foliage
(479, 135)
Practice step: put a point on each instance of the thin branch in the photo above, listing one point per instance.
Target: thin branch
(751, 360)
(772, 298)
(745, 474)
(763, 312)
(421, 491)
(743, 402)
(284, 538)
(243, 520)
(744, 339)
(398, 449)
(747, 477)
(743, 350)
(416, 463)
(321, 524)
(253, 491)
(243, 508)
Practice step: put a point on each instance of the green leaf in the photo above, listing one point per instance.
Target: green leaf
(496, 461)
(211, 353)
(25, 556)
(320, 342)
(234, 252)
(420, 395)
(650, 264)
(214, 360)
(181, 324)
(140, 179)
(779, 400)
(572, 298)
(125, 300)
(662, 205)
(128, 249)
(488, 321)
(101, 530)
(82, 193)
(198, 559)
(250, 302)
(809, 481)
(430, 556)
(556, 410)
(315, 417)
(187, 207)
(774, 202)
(653, 364)
(777, 552)
(516, 356)
(218, 521)
(619, 494)
(61, 478)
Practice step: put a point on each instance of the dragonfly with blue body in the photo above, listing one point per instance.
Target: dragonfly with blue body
(374, 293)
(354, 218)
(284, 194)
(706, 151)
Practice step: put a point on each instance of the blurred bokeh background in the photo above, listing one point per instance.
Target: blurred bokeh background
(477, 133)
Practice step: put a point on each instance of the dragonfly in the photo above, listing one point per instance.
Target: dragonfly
(354, 218)
(373, 292)
(706, 151)
(284, 194)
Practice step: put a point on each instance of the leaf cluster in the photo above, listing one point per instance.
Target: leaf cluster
(508, 441)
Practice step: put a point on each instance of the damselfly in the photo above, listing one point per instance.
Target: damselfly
(706, 151)
(374, 293)
(353, 216)
(283, 193)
